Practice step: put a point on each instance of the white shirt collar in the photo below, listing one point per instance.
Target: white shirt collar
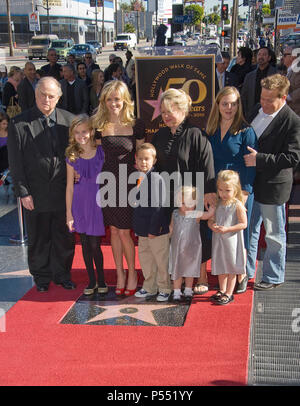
(273, 115)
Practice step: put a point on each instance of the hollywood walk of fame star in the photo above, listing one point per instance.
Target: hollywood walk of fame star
(140, 312)
(156, 105)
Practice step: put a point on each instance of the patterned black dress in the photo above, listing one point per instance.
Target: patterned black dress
(120, 149)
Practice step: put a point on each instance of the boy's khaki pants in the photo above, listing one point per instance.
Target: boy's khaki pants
(154, 260)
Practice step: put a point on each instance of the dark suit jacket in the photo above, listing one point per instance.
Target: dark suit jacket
(153, 218)
(53, 71)
(248, 91)
(81, 93)
(30, 162)
(278, 154)
(230, 80)
(26, 94)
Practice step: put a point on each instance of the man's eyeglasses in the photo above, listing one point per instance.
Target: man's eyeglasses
(88, 57)
(286, 54)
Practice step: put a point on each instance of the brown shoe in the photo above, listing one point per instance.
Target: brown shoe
(266, 286)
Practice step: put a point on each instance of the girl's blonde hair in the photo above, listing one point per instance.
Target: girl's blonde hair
(186, 195)
(231, 178)
(74, 150)
(101, 118)
(214, 118)
(177, 97)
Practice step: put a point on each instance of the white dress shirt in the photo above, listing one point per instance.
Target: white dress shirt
(221, 79)
(263, 120)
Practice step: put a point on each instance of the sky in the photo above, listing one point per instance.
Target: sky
(209, 4)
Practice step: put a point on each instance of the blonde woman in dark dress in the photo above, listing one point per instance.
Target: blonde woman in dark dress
(120, 135)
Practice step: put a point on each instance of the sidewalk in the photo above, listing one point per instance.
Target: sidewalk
(15, 279)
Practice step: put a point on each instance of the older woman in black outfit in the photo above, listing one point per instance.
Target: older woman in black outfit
(182, 147)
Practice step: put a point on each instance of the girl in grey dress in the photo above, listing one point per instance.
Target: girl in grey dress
(228, 250)
(186, 246)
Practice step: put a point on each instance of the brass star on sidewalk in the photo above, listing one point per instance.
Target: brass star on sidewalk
(156, 105)
(140, 312)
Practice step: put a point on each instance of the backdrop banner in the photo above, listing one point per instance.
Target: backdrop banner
(193, 74)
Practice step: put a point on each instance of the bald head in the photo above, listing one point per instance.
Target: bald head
(47, 94)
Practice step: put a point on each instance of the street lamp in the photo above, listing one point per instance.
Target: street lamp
(48, 16)
(103, 31)
(96, 18)
(98, 3)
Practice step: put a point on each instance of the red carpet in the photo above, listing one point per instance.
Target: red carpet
(210, 349)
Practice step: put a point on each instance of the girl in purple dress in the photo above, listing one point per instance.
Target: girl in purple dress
(83, 213)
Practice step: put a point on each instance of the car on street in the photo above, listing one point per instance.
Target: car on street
(96, 44)
(39, 46)
(62, 47)
(79, 50)
(291, 40)
(126, 40)
(179, 42)
(212, 40)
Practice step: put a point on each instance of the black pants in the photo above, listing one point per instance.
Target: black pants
(50, 246)
(3, 159)
(92, 254)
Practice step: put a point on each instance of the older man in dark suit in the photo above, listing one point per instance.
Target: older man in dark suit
(37, 139)
(278, 130)
(75, 95)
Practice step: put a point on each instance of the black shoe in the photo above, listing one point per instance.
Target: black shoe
(224, 300)
(241, 287)
(67, 285)
(42, 288)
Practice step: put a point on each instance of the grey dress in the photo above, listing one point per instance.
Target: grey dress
(185, 248)
(228, 250)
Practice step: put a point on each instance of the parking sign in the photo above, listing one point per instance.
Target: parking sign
(34, 21)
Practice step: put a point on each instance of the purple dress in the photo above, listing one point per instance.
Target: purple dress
(3, 141)
(87, 214)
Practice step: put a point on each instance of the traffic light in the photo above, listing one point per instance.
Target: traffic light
(93, 3)
(224, 13)
(224, 33)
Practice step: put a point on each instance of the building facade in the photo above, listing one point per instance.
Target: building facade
(66, 18)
